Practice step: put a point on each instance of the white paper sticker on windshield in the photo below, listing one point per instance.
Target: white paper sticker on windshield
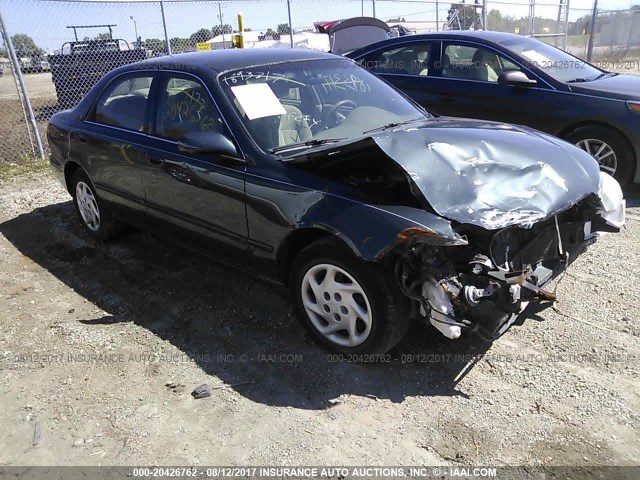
(258, 100)
(537, 58)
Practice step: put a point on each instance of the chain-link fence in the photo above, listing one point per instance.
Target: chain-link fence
(58, 49)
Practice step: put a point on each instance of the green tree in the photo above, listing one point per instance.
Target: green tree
(495, 21)
(200, 36)
(25, 46)
(220, 29)
(103, 36)
(284, 29)
(461, 16)
(156, 45)
(180, 44)
(270, 31)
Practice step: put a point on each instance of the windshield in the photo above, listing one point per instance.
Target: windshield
(553, 61)
(307, 103)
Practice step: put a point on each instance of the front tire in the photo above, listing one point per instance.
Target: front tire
(347, 304)
(610, 149)
(93, 214)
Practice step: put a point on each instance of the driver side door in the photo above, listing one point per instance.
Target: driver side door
(200, 192)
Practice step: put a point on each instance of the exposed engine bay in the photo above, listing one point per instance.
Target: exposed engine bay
(484, 286)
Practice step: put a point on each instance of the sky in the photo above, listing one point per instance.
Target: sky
(46, 20)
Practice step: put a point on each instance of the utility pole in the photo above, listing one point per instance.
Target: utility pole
(224, 43)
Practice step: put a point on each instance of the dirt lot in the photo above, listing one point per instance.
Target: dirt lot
(16, 144)
(101, 345)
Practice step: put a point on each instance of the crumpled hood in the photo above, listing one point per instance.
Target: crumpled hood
(490, 174)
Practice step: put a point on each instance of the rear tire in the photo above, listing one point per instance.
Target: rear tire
(94, 216)
(615, 155)
(347, 304)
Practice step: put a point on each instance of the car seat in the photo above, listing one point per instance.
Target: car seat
(292, 126)
(482, 66)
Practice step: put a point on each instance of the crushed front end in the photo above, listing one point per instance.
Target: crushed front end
(484, 286)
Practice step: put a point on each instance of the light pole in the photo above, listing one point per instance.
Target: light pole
(135, 29)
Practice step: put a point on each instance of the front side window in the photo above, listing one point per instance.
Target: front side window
(468, 62)
(297, 102)
(185, 107)
(124, 103)
(556, 63)
(410, 59)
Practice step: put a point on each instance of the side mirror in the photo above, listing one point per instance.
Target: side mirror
(207, 142)
(515, 78)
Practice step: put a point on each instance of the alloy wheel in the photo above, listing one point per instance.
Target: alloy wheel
(602, 152)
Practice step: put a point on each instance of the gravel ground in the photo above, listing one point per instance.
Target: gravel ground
(561, 389)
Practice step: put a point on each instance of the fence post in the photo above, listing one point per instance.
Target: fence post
(373, 2)
(532, 17)
(290, 24)
(592, 30)
(566, 24)
(484, 15)
(164, 25)
(23, 88)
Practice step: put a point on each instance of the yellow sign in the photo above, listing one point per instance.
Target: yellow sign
(516, 30)
(203, 46)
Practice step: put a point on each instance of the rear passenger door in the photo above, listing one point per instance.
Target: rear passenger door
(200, 192)
(116, 129)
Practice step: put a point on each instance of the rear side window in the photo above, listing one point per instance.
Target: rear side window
(412, 59)
(123, 104)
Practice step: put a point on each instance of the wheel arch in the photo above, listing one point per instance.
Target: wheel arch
(297, 240)
(70, 168)
(598, 123)
(590, 123)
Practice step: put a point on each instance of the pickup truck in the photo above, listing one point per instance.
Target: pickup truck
(80, 64)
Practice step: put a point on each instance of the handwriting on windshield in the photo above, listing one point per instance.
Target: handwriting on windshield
(246, 77)
(344, 82)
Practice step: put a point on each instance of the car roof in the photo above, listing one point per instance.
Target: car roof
(488, 36)
(483, 34)
(222, 60)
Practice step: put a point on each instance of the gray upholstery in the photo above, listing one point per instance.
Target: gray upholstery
(293, 127)
(482, 62)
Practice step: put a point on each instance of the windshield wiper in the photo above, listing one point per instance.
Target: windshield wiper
(582, 79)
(393, 125)
(578, 80)
(605, 74)
(310, 143)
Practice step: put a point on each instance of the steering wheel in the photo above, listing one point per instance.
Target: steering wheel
(334, 115)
